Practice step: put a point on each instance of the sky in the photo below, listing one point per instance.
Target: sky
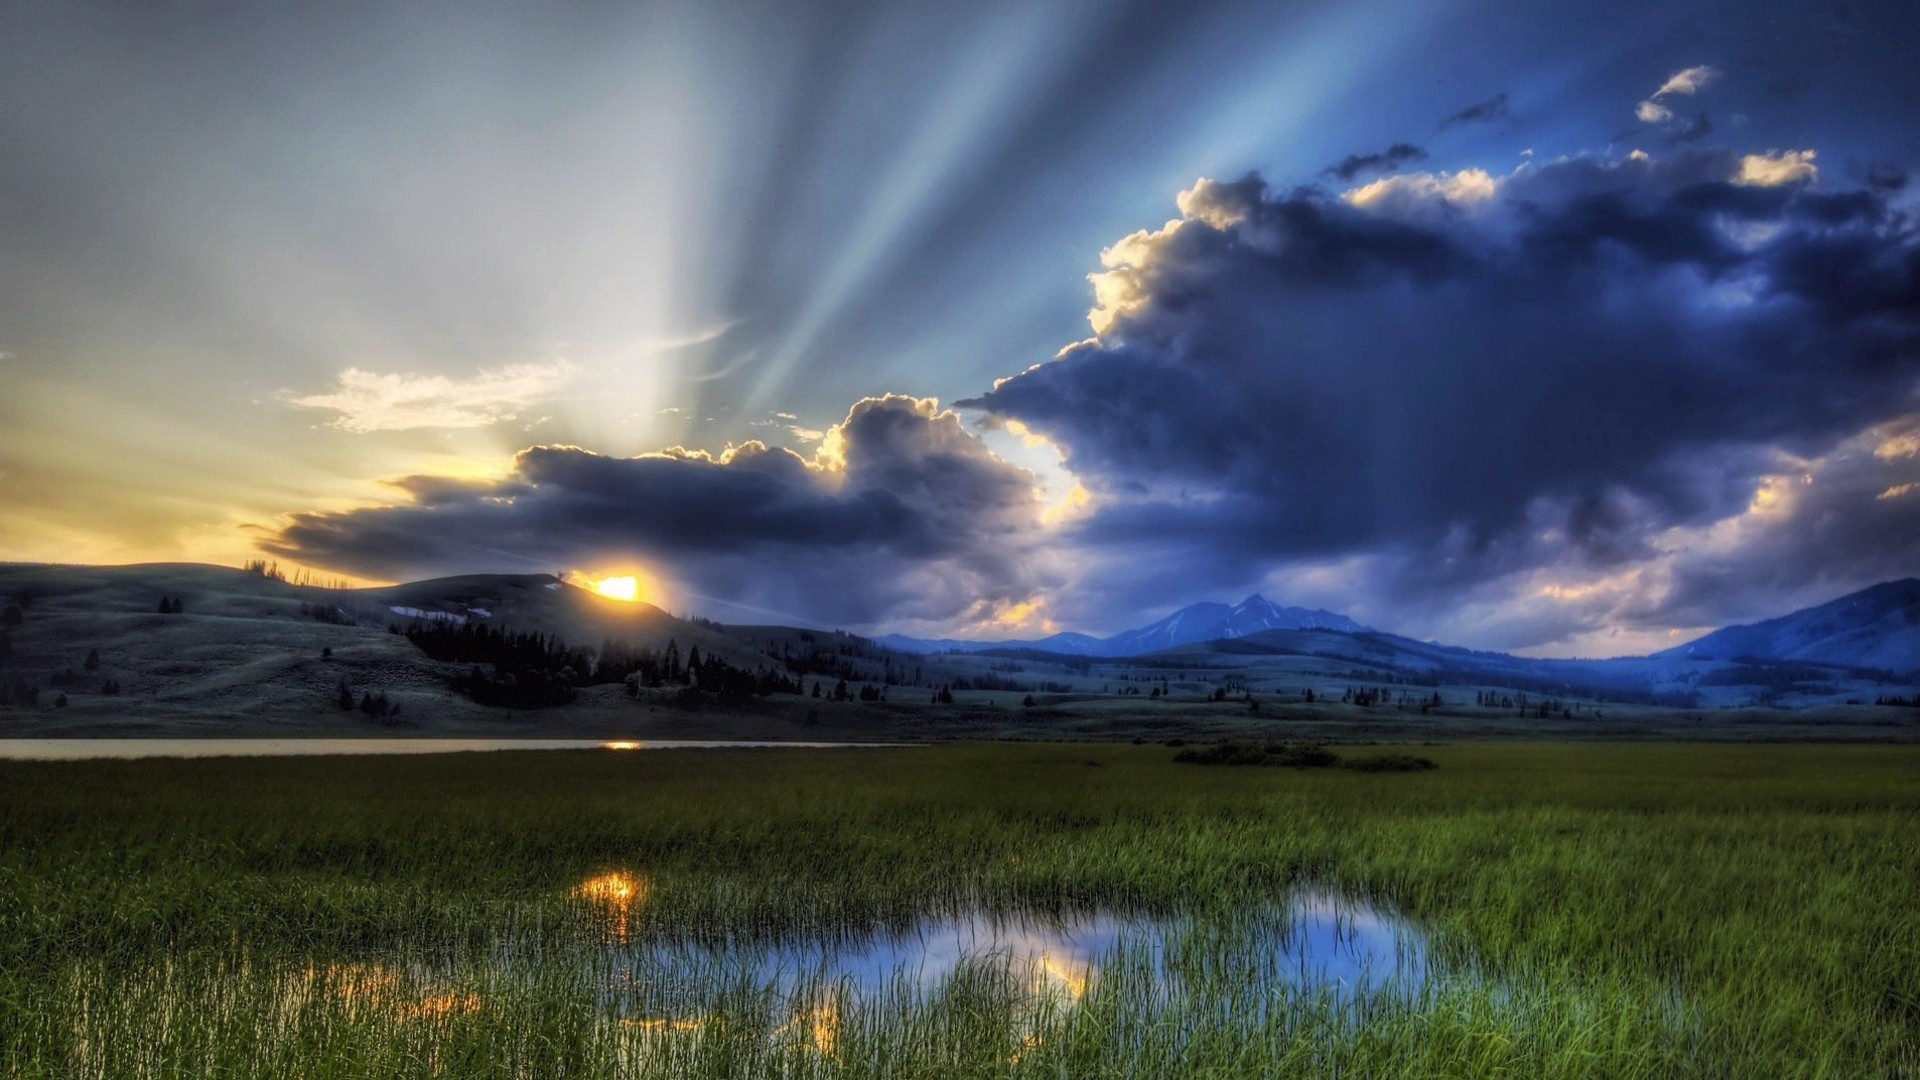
(1522, 327)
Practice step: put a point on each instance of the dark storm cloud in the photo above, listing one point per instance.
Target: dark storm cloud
(1482, 377)
(1819, 526)
(1384, 161)
(1494, 108)
(903, 513)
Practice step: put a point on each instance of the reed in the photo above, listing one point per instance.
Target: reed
(1586, 911)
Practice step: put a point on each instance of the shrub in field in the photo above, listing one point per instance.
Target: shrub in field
(1298, 756)
(1390, 763)
(1291, 755)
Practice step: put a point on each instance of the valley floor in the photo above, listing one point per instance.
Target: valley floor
(607, 712)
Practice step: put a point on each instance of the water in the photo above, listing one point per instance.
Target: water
(1038, 967)
(1316, 941)
(79, 749)
(1004, 984)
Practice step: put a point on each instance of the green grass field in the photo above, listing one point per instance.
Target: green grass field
(1594, 910)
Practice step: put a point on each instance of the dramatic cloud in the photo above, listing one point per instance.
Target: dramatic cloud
(1584, 406)
(901, 513)
(1385, 161)
(1494, 108)
(1610, 578)
(1813, 528)
(369, 401)
(1477, 380)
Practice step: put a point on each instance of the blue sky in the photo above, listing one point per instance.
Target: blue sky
(313, 283)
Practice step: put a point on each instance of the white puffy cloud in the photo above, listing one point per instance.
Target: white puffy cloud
(364, 401)
(1776, 167)
(1461, 188)
(1689, 81)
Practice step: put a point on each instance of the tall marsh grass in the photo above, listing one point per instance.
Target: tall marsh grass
(1587, 911)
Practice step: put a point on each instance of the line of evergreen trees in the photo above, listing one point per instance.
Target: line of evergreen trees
(529, 670)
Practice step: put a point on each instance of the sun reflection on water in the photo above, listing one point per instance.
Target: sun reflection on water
(615, 896)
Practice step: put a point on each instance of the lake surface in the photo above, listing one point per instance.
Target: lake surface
(81, 749)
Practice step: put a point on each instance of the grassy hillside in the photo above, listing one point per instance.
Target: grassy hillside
(1875, 627)
(249, 651)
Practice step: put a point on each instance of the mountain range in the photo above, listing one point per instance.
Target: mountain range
(1877, 628)
(245, 648)
(1207, 621)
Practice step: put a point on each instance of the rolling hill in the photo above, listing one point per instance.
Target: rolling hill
(1878, 627)
(248, 646)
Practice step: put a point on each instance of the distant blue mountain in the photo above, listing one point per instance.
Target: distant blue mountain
(1194, 623)
(1208, 622)
(1877, 627)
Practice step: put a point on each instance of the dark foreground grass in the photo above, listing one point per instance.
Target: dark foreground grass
(1597, 910)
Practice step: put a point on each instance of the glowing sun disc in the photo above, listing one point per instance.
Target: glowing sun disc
(618, 588)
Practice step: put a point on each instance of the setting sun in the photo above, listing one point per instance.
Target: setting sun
(618, 588)
(629, 584)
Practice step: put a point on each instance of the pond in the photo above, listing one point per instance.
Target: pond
(1316, 941)
(81, 749)
(1030, 977)
(1034, 970)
